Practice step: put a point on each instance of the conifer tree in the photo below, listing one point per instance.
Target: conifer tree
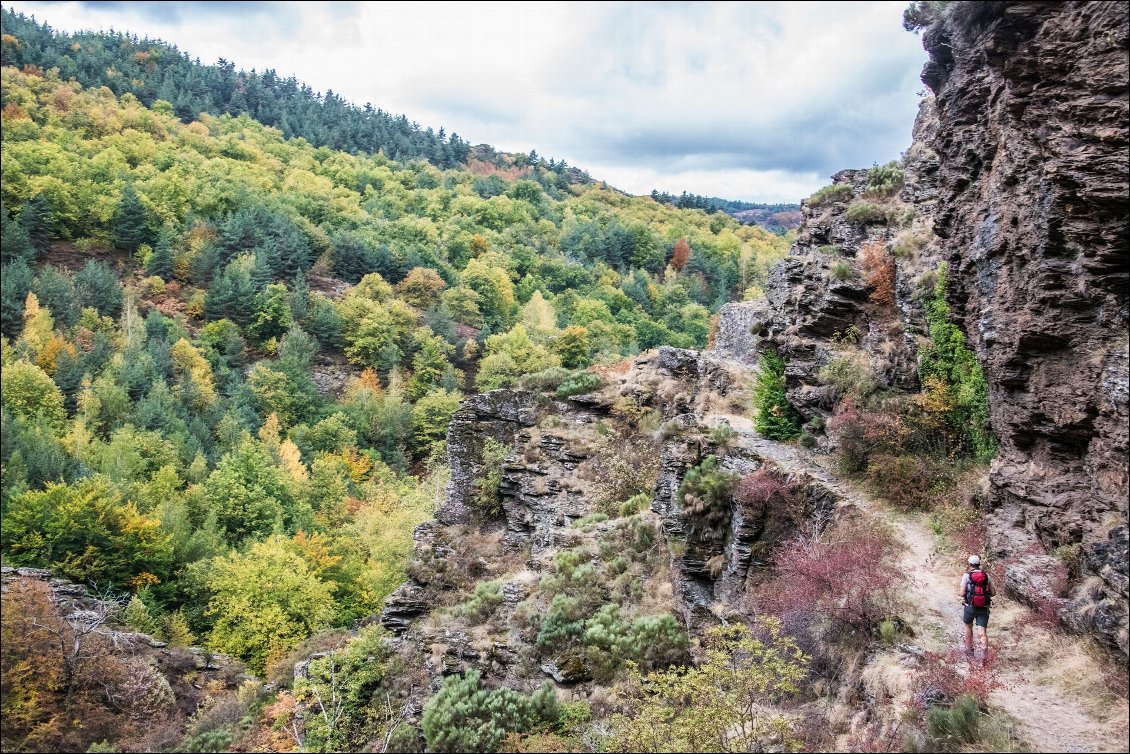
(35, 219)
(161, 262)
(14, 241)
(130, 225)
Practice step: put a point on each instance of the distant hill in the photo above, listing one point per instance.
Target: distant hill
(778, 218)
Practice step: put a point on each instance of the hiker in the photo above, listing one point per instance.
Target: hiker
(976, 595)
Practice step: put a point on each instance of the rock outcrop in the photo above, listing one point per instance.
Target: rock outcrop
(499, 414)
(819, 298)
(1032, 206)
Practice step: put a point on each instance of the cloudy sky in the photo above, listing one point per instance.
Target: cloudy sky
(754, 101)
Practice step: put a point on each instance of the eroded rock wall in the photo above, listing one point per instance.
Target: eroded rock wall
(1032, 207)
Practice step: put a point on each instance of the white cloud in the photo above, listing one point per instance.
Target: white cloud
(742, 100)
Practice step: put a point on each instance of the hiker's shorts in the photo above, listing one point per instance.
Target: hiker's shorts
(980, 615)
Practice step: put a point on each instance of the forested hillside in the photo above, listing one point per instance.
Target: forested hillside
(150, 70)
(325, 432)
(230, 357)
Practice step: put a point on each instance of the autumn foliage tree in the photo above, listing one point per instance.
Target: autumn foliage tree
(682, 254)
(56, 671)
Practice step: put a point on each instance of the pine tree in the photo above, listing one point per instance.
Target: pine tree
(130, 224)
(175, 631)
(161, 262)
(14, 241)
(776, 417)
(35, 219)
(138, 617)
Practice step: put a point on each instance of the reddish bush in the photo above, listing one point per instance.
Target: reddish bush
(846, 426)
(879, 272)
(947, 675)
(767, 487)
(777, 505)
(971, 539)
(847, 576)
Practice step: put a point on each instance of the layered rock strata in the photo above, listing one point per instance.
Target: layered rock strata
(1032, 206)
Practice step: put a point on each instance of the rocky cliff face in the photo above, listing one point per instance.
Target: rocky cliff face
(821, 298)
(482, 584)
(1031, 199)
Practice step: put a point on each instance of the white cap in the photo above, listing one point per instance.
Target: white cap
(974, 560)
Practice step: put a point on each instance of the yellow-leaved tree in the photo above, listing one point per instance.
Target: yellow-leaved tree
(729, 702)
(265, 602)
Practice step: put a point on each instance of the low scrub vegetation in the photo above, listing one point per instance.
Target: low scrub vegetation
(885, 180)
(837, 192)
(865, 212)
(729, 702)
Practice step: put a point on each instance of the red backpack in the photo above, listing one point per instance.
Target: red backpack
(978, 593)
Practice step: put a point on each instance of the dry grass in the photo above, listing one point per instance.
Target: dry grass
(887, 678)
(1076, 666)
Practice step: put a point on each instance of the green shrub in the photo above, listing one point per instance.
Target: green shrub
(463, 717)
(640, 534)
(651, 642)
(837, 192)
(564, 623)
(589, 520)
(705, 497)
(573, 716)
(484, 490)
(776, 418)
(635, 504)
(885, 180)
(352, 676)
(849, 373)
(574, 575)
(956, 726)
(579, 383)
(545, 381)
(909, 482)
(946, 357)
(617, 565)
(865, 212)
(888, 631)
(485, 599)
(722, 435)
(842, 270)
(830, 249)
(728, 702)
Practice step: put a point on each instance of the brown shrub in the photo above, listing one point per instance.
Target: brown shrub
(908, 482)
(879, 272)
(54, 672)
(681, 255)
(945, 676)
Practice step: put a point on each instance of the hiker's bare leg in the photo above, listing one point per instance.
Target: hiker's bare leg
(969, 638)
(984, 632)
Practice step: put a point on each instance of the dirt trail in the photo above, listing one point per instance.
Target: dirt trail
(1051, 718)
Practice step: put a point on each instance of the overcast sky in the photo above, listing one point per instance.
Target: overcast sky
(754, 101)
